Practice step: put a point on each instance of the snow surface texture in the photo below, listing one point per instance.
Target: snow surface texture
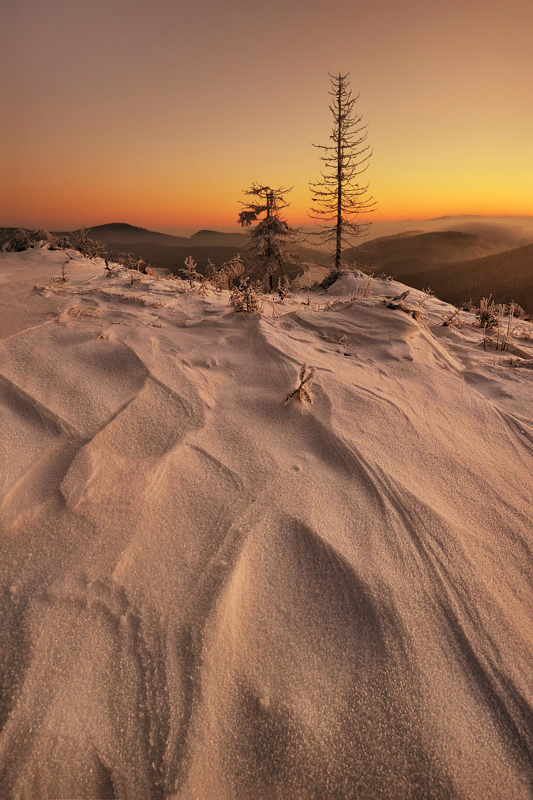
(209, 595)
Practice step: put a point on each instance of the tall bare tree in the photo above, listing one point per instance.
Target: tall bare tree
(271, 230)
(338, 198)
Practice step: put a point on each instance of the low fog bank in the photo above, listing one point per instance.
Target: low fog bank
(497, 233)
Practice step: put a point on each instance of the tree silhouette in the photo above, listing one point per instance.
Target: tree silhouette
(338, 199)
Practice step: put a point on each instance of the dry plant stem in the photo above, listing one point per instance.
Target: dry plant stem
(486, 313)
(302, 390)
(499, 342)
(510, 331)
(276, 313)
(503, 339)
(452, 319)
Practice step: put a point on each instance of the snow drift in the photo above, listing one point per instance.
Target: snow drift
(209, 594)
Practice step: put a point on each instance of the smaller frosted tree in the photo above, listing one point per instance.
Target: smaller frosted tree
(272, 230)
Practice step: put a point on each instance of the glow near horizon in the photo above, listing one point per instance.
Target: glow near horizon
(159, 114)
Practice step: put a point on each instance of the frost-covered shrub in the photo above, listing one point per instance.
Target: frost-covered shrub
(88, 247)
(245, 298)
(22, 239)
(223, 277)
(486, 314)
(518, 311)
(190, 271)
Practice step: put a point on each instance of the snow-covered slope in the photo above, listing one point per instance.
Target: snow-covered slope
(208, 593)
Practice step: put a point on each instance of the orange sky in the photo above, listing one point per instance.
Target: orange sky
(159, 113)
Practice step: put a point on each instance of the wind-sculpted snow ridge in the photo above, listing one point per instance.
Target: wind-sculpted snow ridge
(209, 594)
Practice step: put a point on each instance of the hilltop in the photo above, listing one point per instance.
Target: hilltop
(420, 258)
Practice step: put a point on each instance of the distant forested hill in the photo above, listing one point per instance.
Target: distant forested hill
(445, 262)
(507, 276)
(168, 252)
(416, 250)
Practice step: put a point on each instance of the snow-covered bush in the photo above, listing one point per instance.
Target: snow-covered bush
(222, 277)
(15, 241)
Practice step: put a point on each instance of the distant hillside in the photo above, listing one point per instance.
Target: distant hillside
(120, 233)
(457, 265)
(218, 239)
(504, 233)
(172, 258)
(168, 252)
(507, 276)
(415, 251)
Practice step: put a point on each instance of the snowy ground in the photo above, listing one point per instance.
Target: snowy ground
(208, 593)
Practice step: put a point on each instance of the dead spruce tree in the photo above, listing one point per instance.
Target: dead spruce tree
(268, 235)
(338, 199)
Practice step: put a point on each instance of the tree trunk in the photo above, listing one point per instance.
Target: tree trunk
(338, 248)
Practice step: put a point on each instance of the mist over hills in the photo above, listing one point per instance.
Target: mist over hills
(500, 233)
(415, 249)
(458, 265)
(508, 276)
(218, 239)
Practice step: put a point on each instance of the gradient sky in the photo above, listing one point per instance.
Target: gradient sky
(159, 113)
